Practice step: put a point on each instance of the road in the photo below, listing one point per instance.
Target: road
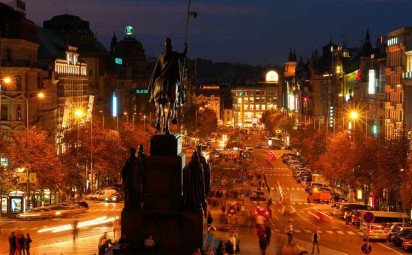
(61, 243)
(335, 234)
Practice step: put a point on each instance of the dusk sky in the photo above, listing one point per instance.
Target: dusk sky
(245, 31)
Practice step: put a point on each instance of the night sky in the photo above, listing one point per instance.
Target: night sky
(243, 31)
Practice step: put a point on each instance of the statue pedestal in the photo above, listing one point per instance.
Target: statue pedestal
(174, 230)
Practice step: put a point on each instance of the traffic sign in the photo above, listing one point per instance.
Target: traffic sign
(369, 217)
(366, 248)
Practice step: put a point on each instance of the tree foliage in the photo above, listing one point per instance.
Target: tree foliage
(202, 119)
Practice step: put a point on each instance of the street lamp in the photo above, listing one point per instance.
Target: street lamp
(354, 115)
(144, 122)
(127, 116)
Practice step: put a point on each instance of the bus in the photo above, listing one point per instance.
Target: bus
(383, 218)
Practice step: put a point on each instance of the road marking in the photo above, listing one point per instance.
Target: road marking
(320, 232)
(307, 231)
(389, 248)
(360, 233)
(329, 232)
(298, 231)
(34, 228)
(350, 232)
(339, 232)
(292, 188)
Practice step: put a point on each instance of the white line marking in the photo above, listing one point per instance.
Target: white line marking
(329, 232)
(298, 231)
(350, 232)
(339, 232)
(308, 231)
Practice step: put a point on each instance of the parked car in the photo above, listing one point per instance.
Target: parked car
(375, 232)
(349, 207)
(407, 242)
(391, 234)
(394, 227)
(400, 236)
(257, 195)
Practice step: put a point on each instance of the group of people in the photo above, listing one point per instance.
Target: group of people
(19, 244)
(231, 246)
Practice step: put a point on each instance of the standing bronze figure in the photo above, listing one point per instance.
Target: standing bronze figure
(165, 87)
(133, 178)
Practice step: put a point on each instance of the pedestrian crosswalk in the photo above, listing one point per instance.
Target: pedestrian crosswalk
(278, 175)
(325, 232)
(272, 168)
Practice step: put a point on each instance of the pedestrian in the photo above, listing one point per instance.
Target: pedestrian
(102, 243)
(209, 220)
(229, 249)
(289, 231)
(75, 230)
(268, 232)
(116, 227)
(27, 243)
(315, 240)
(262, 244)
(149, 244)
(12, 243)
(124, 242)
(20, 244)
(220, 250)
(209, 250)
(237, 247)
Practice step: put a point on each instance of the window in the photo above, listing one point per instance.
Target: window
(4, 112)
(18, 112)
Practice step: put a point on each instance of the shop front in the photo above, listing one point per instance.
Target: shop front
(12, 204)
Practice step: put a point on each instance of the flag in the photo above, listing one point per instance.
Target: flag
(192, 14)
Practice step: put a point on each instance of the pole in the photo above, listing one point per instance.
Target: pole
(366, 125)
(187, 21)
(91, 151)
(196, 120)
(144, 122)
(28, 169)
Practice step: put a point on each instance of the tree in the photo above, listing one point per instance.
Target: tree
(34, 151)
(134, 135)
(202, 119)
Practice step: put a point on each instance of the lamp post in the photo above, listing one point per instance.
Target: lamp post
(144, 122)
(127, 116)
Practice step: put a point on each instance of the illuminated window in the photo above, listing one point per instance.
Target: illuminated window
(263, 107)
(252, 107)
(257, 107)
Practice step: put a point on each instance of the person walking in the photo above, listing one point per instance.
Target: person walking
(289, 231)
(263, 244)
(209, 220)
(268, 232)
(220, 250)
(27, 243)
(149, 244)
(20, 244)
(12, 243)
(102, 243)
(315, 240)
(229, 249)
(75, 230)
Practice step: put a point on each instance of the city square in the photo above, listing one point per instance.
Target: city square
(205, 127)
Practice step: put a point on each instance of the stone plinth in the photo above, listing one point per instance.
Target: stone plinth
(174, 230)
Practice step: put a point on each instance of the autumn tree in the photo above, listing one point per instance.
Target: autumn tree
(34, 151)
(202, 119)
(134, 135)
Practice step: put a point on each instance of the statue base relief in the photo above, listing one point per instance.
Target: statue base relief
(174, 230)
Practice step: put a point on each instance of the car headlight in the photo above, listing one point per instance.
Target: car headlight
(114, 198)
(106, 199)
(58, 212)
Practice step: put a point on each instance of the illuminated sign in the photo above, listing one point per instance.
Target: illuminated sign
(118, 61)
(272, 76)
(375, 129)
(372, 81)
(392, 41)
(114, 105)
(4, 162)
(291, 101)
(129, 30)
(142, 91)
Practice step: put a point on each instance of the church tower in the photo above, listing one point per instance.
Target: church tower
(113, 44)
(290, 66)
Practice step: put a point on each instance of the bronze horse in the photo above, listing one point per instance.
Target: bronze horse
(166, 86)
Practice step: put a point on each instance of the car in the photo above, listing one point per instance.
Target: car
(394, 227)
(320, 196)
(348, 208)
(400, 236)
(314, 186)
(407, 242)
(257, 195)
(262, 211)
(375, 232)
(391, 234)
(107, 195)
(55, 211)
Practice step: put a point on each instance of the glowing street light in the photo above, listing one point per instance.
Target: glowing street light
(79, 113)
(41, 95)
(354, 115)
(7, 80)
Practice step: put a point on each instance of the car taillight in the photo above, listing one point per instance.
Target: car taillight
(255, 213)
(267, 213)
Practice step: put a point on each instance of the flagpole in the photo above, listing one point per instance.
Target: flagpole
(187, 20)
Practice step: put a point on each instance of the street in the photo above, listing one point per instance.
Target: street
(51, 243)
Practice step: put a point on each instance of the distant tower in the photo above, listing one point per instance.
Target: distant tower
(290, 66)
(113, 44)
